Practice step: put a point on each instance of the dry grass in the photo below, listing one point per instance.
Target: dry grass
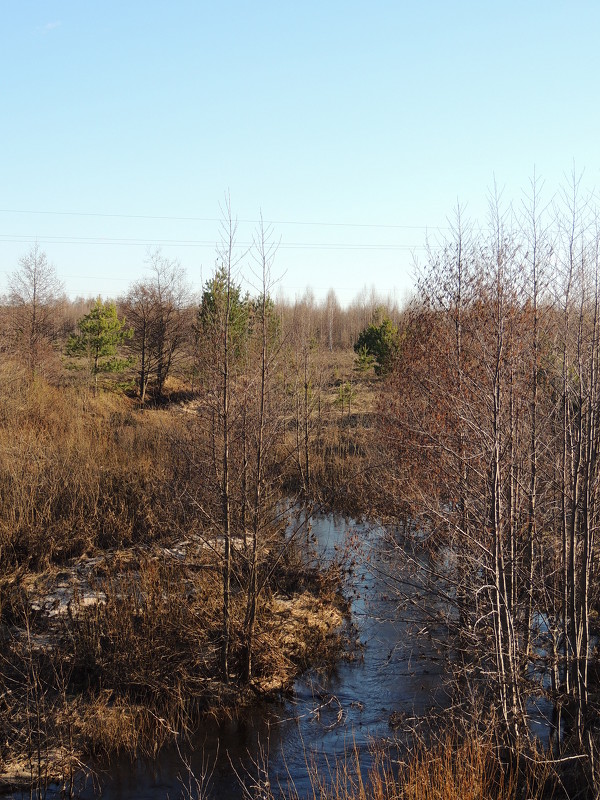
(140, 666)
(78, 472)
(84, 475)
(342, 455)
(110, 642)
(466, 768)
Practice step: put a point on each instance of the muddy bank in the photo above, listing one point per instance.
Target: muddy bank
(119, 653)
(395, 679)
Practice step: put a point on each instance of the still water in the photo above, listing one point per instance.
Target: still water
(397, 674)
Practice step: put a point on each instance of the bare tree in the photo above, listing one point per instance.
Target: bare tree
(264, 430)
(33, 290)
(158, 309)
(221, 336)
(492, 412)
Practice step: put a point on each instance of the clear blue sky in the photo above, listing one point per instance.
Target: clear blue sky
(355, 126)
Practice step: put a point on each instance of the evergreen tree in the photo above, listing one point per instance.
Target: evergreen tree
(101, 333)
(222, 297)
(381, 342)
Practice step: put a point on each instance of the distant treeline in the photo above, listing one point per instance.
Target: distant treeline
(163, 314)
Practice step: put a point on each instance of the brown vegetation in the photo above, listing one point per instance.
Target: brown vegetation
(79, 472)
(455, 768)
(491, 422)
(110, 582)
(147, 573)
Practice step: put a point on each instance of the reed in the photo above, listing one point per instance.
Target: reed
(456, 768)
(79, 471)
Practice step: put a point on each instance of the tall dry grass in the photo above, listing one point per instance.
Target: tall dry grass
(146, 660)
(141, 667)
(465, 767)
(79, 471)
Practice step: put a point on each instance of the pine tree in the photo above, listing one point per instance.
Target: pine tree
(101, 333)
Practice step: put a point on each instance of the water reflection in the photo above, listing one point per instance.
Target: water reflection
(397, 674)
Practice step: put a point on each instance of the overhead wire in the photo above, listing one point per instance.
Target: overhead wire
(71, 239)
(217, 220)
(94, 240)
(201, 243)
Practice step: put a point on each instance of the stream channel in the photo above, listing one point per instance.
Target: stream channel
(397, 674)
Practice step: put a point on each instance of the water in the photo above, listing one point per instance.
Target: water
(397, 675)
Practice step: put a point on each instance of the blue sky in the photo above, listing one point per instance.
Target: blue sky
(355, 127)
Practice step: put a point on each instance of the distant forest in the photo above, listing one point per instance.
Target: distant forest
(162, 315)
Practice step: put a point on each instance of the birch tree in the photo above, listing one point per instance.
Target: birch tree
(157, 309)
(33, 290)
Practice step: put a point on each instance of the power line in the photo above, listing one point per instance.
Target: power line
(219, 220)
(130, 242)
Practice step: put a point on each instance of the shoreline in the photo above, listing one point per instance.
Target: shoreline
(76, 605)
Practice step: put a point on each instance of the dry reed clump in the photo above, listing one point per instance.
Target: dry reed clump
(461, 770)
(106, 726)
(153, 643)
(295, 633)
(128, 658)
(126, 674)
(341, 466)
(453, 769)
(36, 715)
(79, 471)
